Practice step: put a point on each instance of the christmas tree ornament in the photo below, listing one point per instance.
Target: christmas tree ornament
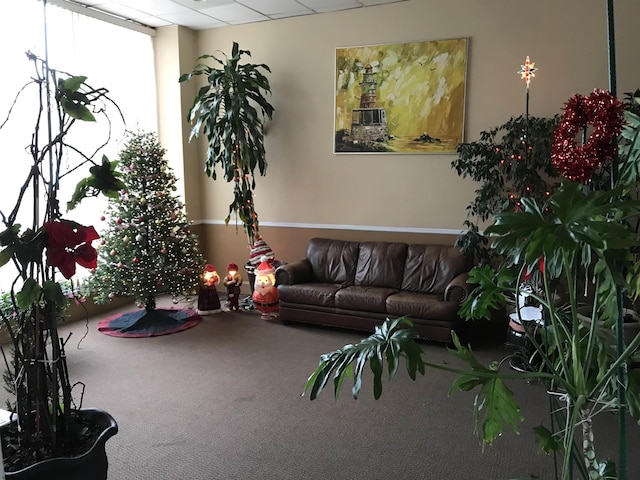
(112, 253)
(139, 237)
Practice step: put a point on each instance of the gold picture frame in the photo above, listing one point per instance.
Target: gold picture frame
(400, 98)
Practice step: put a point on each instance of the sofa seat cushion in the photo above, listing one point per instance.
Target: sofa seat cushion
(422, 305)
(366, 299)
(321, 294)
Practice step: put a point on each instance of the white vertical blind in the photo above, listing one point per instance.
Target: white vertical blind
(113, 57)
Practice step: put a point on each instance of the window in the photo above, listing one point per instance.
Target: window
(111, 56)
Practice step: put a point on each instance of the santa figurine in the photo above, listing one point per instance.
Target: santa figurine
(265, 293)
(208, 300)
(232, 281)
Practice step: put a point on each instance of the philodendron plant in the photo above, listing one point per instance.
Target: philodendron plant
(230, 109)
(581, 359)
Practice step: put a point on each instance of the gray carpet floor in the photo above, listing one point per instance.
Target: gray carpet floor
(221, 401)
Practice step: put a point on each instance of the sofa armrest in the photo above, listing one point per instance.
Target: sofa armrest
(296, 272)
(458, 289)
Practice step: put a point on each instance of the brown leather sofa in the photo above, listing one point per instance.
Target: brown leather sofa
(357, 285)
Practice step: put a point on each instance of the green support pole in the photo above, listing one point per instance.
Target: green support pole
(622, 409)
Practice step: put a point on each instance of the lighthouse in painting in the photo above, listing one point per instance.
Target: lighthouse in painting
(368, 123)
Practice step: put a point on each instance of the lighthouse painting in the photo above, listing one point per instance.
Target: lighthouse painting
(400, 98)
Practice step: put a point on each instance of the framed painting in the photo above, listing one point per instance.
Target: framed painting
(400, 98)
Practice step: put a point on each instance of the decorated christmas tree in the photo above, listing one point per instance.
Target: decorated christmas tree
(148, 248)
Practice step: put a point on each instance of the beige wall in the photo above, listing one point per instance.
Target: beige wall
(309, 187)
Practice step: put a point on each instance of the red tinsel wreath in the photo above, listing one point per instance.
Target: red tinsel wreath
(601, 110)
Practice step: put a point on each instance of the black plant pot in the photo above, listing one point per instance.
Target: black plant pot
(92, 465)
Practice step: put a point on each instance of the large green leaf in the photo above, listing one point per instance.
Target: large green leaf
(29, 295)
(103, 179)
(6, 254)
(393, 339)
(490, 292)
(494, 399)
(53, 294)
(546, 440)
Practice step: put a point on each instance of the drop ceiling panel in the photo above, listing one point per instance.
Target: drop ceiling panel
(202, 14)
(234, 13)
(276, 7)
(330, 5)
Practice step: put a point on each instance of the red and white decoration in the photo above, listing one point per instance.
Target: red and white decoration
(603, 112)
(265, 293)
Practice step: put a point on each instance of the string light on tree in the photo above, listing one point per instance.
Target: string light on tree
(149, 248)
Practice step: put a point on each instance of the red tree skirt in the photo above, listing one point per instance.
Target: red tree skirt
(143, 323)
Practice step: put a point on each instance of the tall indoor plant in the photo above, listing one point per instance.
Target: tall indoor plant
(510, 161)
(230, 109)
(579, 357)
(48, 425)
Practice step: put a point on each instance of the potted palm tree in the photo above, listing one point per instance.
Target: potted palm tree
(587, 367)
(231, 109)
(50, 435)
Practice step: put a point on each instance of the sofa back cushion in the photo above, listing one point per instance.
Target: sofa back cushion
(430, 268)
(381, 264)
(333, 261)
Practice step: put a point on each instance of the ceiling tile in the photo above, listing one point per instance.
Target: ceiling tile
(154, 21)
(202, 4)
(330, 5)
(193, 20)
(368, 3)
(291, 14)
(276, 7)
(122, 10)
(154, 7)
(200, 14)
(234, 13)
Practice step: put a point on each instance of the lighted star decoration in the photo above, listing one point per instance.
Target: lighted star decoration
(527, 71)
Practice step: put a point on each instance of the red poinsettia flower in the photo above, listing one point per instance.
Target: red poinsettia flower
(69, 243)
(528, 273)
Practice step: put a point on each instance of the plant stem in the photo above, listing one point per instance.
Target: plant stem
(588, 445)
